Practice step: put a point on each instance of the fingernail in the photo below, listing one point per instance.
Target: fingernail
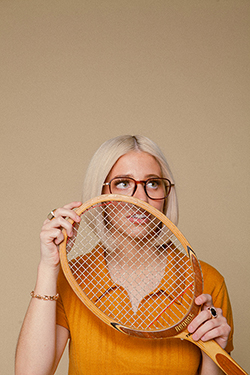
(190, 328)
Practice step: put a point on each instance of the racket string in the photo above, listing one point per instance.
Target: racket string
(136, 273)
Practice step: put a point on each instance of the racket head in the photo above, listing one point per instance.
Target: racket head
(132, 267)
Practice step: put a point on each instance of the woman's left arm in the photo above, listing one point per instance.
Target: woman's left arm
(206, 327)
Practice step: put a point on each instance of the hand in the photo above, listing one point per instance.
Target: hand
(204, 328)
(51, 234)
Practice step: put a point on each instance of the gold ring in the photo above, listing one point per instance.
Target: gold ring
(51, 215)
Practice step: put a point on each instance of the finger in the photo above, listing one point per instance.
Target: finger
(60, 223)
(60, 238)
(66, 211)
(199, 320)
(203, 329)
(216, 329)
(207, 304)
(62, 212)
(51, 237)
(205, 300)
(52, 230)
(72, 205)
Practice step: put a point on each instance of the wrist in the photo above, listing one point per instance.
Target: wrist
(48, 270)
(46, 283)
(208, 366)
(44, 297)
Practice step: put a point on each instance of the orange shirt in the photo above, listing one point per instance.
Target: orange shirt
(96, 348)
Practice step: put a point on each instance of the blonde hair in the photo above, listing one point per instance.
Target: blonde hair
(108, 154)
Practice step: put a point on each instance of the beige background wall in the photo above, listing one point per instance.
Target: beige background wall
(75, 73)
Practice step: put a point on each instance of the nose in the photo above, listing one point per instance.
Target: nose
(140, 192)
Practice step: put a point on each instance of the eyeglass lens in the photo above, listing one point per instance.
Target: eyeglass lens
(155, 188)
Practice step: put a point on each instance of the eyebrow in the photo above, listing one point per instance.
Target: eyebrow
(131, 176)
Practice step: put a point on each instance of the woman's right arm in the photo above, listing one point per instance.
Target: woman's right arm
(41, 342)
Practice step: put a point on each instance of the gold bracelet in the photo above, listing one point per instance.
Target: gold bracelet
(45, 298)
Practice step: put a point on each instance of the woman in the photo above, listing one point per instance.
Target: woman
(94, 346)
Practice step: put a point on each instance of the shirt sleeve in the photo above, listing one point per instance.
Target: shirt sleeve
(61, 318)
(214, 284)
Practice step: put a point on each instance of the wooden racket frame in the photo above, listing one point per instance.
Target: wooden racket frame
(211, 348)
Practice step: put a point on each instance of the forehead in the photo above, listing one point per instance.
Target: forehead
(136, 164)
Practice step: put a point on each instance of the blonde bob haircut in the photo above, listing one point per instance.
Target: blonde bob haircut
(108, 154)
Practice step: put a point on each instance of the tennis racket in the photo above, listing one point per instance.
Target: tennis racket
(134, 269)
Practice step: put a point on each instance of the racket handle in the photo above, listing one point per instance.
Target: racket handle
(217, 354)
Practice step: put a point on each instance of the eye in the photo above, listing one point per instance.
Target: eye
(154, 184)
(122, 183)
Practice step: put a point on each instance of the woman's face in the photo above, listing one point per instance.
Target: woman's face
(131, 221)
(140, 166)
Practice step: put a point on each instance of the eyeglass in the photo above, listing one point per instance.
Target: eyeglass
(155, 188)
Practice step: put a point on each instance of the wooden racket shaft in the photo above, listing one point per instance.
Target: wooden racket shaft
(217, 354)
(135, 270)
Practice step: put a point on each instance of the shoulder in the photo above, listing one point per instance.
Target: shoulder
(209, 271)
(214, 282)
